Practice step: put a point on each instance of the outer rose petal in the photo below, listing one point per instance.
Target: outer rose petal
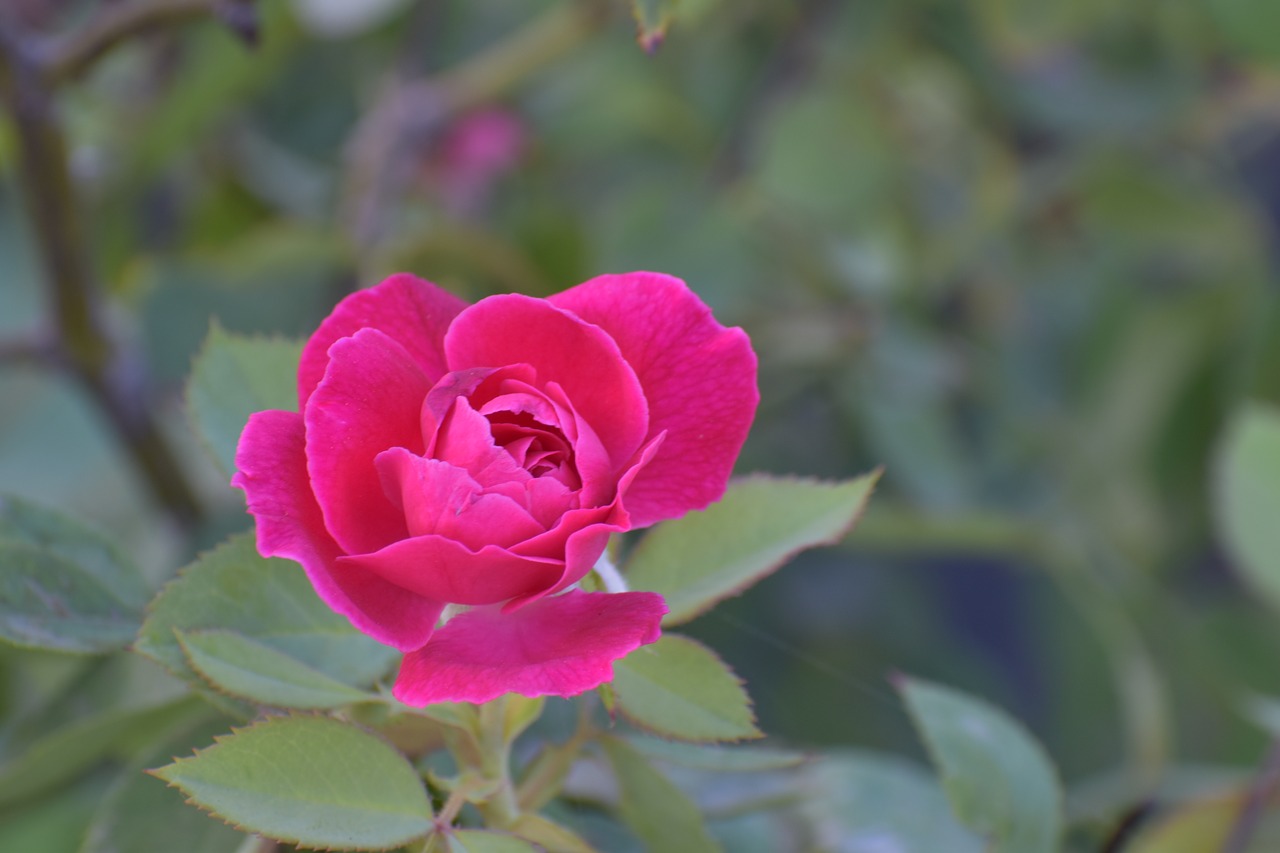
(412, 311)
(273, 474)
(698, 376)
(444, 570)
(559, 646)
(514, 329)
(370, 400)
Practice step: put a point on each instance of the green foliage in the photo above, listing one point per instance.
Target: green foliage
(62, 585)
(140, 814)
(998, 779)
(857, 800)
(233, 377)
(678, 688)
(248, 669)
(1248, 491)
(68, 751)
(308, 780)
(269, 602)
(487, 841)
(698, 560)
(655, 809)
(719, 759)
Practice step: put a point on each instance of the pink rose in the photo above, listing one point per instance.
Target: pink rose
(482, 456)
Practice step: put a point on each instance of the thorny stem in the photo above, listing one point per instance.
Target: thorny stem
(83, 346)
(71, 56)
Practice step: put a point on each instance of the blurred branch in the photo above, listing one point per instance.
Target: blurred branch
(1254, 808)
(72, 55)
(82, 344)
(409, 113)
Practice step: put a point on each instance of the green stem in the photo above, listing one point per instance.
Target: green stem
(83, 346)
(501, 809)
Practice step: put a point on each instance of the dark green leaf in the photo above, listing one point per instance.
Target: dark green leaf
(997, 777)
(719, 759)
(68, 751)
(63, 586)
(233, 377)
(678, 688)
(654, 808)
(308, 780)
(704, 557)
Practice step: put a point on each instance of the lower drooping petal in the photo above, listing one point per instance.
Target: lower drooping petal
(273, 474)
(559, 646)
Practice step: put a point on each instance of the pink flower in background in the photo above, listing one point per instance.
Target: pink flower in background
(474, 151)
(482, 456)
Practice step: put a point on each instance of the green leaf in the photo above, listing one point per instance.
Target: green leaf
(63, 586)
(140, 814)
(518, 713)
(549, 835)
(863, 801)
(308, 780)
(654, 808)
(232, 588)
(997, 777)
(251, 670)
(68, 751)
(54, 823)
(1247, 504)
(760, 523)
(653, 17)
(718, 759)
(233, 377)
(488, 841)
(678, 688)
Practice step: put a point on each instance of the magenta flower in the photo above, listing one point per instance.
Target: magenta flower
(482, 456)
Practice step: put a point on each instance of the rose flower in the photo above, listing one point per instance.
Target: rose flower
(471, 462)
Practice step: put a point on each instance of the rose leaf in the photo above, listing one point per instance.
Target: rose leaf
(307, 780)
(760, 523)
(678, 688)
(656, 810)
(1247, 497)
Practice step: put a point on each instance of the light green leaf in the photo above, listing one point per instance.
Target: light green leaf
(678, 688)
(251, 670)
(654, 808)
(68, 751)
(1247, 504)
(864, 801)
(718, 759)
(760, 523)
(63, 586)
(518, 713)
(488, 841)
(140, 814)
(653, 17)
(549, 835)
(997, 777)
(308, 780)
(233, 377)
(232, 588)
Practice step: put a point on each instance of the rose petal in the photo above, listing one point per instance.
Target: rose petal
(273, 474)
(514, 329)
(409, 310)
(369, 401)
(465, 440)
(559, 646)
(445, 570)
(698, 376)
(440, 498)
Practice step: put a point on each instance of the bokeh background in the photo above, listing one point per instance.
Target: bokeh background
(1019, 252)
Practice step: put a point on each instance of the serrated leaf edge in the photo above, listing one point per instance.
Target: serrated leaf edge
(267, 721)
(755, 734)
(874, 476)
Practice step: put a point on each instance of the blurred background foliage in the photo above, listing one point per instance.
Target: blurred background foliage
(1021, 253)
